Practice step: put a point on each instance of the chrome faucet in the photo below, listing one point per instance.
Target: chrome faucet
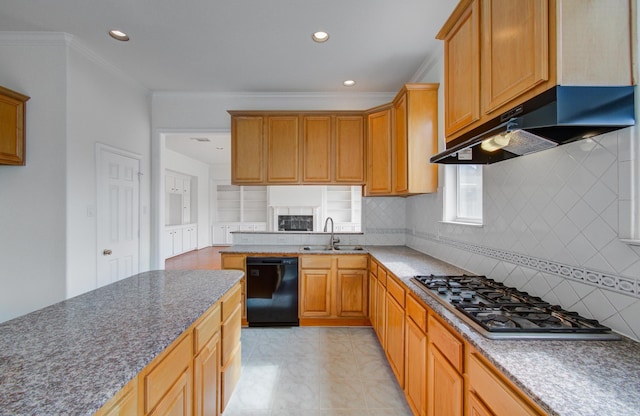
(333, 241)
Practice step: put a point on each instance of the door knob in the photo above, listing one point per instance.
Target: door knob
(106, 252)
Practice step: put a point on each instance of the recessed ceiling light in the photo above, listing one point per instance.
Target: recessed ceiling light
(349, 83)
(320, 37)
(119, 35)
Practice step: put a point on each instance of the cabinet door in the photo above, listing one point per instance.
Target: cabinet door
(349, 149)
(316, 148)
(315, 293)
(283, 149)
(444, 393)
(12, 126)
(395, 337)
(373, 287)
(167, 386)
(381, 313)
(247, 149)
(476, 407)
(462, 70)
(525, 51)
(416, 370)
(352, 293)
(379, 152)
(177, 402)
(400, 165)
(206, 376)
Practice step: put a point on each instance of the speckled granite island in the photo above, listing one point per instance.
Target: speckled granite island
(73, 356)
(566, 378)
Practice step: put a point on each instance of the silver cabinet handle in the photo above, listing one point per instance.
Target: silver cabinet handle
(107, 252)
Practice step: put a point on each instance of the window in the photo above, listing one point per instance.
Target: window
(463, 194)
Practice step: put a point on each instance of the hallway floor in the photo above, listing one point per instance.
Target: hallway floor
(315, 371)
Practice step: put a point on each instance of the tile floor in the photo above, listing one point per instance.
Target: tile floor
(315, 371)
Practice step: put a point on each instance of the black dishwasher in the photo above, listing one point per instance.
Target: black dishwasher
(272, 291)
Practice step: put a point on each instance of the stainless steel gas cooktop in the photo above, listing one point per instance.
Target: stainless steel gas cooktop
(501, 312)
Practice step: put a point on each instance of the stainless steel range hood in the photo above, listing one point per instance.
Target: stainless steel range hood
(560, 115)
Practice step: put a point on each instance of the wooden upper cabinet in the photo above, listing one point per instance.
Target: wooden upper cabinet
(500, 53)
(316, 147)
(379, 152)
(333, 148)
(461, 36)
(12, 127)
(415, 139)
(247, 150)
(283, 138)
(400, 169)
(287, 147)
(349, 149)
(515, 49)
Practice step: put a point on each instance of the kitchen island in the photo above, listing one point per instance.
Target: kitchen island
(564, 378)
(73, 356)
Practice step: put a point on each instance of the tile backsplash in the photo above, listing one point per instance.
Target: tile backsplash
(551, 227)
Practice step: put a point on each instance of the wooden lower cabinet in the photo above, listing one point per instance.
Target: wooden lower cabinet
(476, 407)
(237, 262)
(189, 377)
(415, 385)
(167, 382)
(177, 401)
(231, 352)
(333, 290)
(441, 374)
(206, 376)
(490, 393)
(395, 327)
(445, 391)
(381, 308)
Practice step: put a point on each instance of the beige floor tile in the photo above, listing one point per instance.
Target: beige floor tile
(315, 371)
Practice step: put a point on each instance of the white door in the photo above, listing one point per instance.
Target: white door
(117, 215)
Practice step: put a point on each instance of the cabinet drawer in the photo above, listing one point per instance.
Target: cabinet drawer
(232, 262)
(164, 375)
(416, 312)
(230, 301)
(501, 399)
(207, 327)
(373, 268)
(316, 262)
(395, 289)
(382, 276)
(230, 376)
(450, 347)
(352, 262)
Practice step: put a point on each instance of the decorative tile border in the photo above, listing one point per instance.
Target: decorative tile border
(607, 281)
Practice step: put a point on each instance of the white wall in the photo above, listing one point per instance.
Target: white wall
(191, 167)
(48, 241)
(103, 107)
(32, 207)
(551, 227)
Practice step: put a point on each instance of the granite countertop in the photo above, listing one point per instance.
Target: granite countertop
(566, 378)
(73, 356)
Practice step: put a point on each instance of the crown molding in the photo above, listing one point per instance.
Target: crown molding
(428, 64)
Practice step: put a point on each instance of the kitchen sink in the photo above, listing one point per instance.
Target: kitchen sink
(337, 247)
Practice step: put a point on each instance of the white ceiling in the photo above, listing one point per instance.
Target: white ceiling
(215, 151)
(248, 46)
